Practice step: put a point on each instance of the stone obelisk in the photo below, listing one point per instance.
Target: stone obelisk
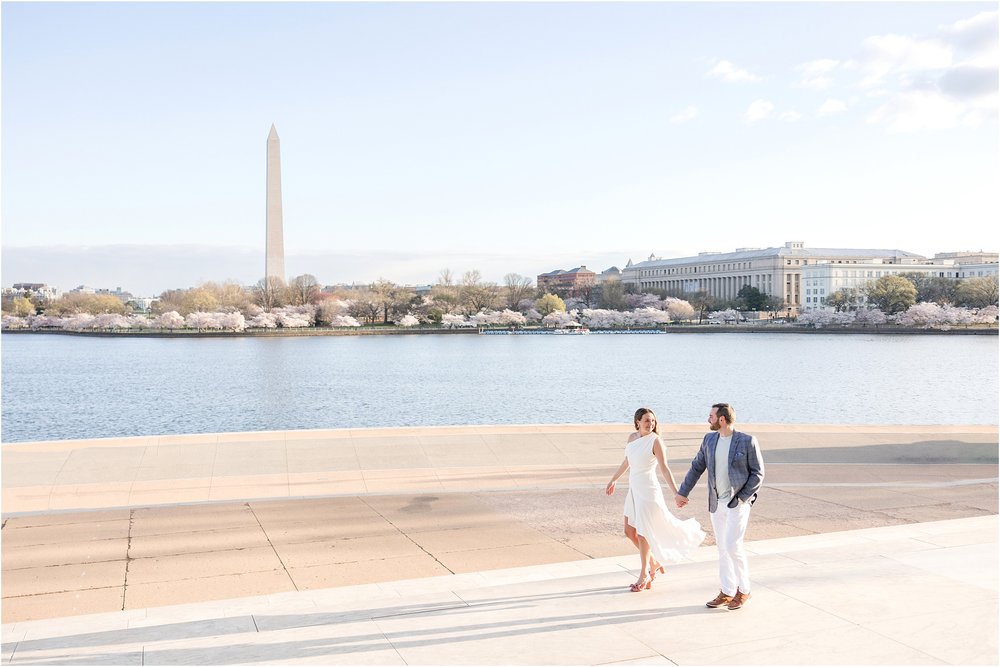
(274, 246)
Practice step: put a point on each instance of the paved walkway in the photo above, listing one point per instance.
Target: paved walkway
(345, 537)
(914, 594)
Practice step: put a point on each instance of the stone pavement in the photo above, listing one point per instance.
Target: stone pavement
(922, 593)
(340, 520)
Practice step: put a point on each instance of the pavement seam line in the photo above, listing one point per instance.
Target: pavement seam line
(271, 544)
(407, 536)
(128, 560)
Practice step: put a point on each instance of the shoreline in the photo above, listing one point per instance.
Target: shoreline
(464, 430)
(397, 331)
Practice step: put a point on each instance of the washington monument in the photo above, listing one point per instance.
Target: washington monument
(274, 246)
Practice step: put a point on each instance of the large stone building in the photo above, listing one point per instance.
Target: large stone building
(822, 279)
(567, 282)
(774, 271)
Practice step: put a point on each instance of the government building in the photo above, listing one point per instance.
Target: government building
(774, 271)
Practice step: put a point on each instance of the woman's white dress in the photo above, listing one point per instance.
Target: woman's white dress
(670, 539)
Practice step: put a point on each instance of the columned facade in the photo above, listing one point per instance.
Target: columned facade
(774, 271)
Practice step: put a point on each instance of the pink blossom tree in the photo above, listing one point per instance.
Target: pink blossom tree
(263, 320)
(450, 321)
(678, 309)
(511, 318)
(344, 321)
(407, 321)
(560, 319)
(169, 320)
(870, 317)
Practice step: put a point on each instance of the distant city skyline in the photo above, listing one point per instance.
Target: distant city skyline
(502, 137)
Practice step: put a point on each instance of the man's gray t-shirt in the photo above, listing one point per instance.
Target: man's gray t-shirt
(722, 484)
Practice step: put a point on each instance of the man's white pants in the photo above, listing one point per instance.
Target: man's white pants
(730, 525)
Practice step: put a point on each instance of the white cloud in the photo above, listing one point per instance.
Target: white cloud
(727, 71)
(917, 110)
(831, 107)
(938, 83)
(976, 36)
(758, 110)
(790, 116)
(885, 55)
(815, 74)
(684, 116)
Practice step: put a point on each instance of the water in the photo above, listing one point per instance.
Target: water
(58, 387)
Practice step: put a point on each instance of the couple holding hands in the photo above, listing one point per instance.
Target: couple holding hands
(732, 489)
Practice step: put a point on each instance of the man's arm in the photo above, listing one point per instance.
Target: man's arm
(755, 464)
(698, 466)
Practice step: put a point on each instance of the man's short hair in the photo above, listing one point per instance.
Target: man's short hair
(725, 410)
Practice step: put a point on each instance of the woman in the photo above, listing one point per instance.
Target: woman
(659, 535)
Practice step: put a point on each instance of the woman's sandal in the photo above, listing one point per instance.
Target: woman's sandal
(644, 583)
(654, 570)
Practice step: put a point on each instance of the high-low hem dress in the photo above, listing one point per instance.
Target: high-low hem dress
(670, 539)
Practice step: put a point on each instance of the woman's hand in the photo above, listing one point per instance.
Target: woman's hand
(610, 488)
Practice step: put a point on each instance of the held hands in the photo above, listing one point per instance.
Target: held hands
(680, 500)
(610, 488)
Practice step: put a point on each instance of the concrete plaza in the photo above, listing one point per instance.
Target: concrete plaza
(871, 545)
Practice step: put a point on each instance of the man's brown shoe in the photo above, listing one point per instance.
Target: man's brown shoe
(720, 600)
(738, 600)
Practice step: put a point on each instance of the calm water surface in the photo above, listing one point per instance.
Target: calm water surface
(58, 387)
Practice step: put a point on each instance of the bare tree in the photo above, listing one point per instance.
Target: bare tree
(365, 305)
(516, 289)
(475, 295)
(270, 292)
(303, 289)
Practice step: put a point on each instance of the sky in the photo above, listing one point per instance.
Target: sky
(499, 137)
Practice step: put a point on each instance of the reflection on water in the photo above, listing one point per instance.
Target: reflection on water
(71, 387)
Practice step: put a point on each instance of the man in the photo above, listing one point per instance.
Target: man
(732, 490)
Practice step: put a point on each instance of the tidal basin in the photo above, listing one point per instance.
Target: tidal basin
(59, 387)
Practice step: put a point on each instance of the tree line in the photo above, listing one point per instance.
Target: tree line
(464, 299)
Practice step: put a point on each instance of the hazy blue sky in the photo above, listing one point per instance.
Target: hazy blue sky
(494, 136)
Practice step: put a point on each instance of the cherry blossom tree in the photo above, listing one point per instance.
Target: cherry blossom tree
(450, 321)
(987, 315)
(110, 321)
(169, 320)
(484, 318)
(870, 317)
(13, 322)
(408, 321)
(925, 315)
(79, 321)
(201, 320)
(292, 320)
(678, 309)
(511, 318)
(604, 318)
(36, 322)
(263, 321)
(635, 301)
(329, 309)
(344, 321)
(816, 318)
(560, 319)
(233, 321)
(649, 316)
